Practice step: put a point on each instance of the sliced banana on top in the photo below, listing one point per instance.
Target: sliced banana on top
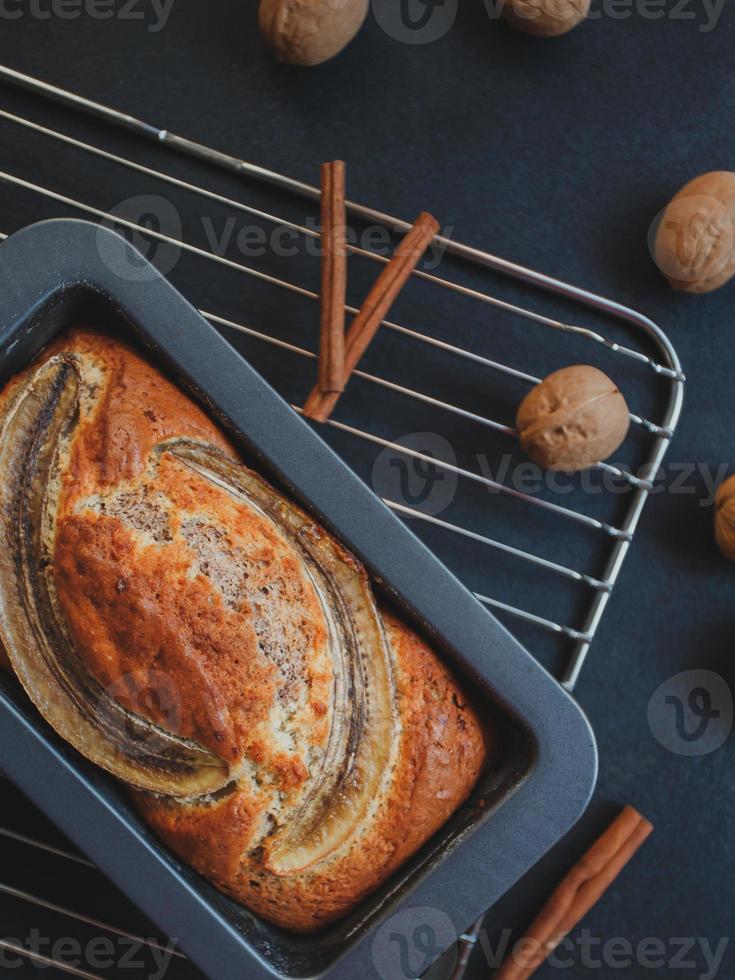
(348, 782)
(362, 742)
(34, 433)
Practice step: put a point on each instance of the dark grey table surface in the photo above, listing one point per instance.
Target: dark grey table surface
(556, 154)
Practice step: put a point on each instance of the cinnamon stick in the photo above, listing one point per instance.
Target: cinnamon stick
(580, 891)
(334, 278)
(381, 297)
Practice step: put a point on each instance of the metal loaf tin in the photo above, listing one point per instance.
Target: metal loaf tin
(59, 273)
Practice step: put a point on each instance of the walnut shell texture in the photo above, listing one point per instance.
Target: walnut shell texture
(725, 518)
(695, 241)
(546, 18)
(309, 32)
(575, 418)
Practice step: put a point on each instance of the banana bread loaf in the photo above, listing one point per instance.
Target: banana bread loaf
(195, 633)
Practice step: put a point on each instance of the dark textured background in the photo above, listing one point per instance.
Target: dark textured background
(556, 154)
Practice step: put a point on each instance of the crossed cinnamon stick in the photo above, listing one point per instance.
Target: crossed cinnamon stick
(338, 357)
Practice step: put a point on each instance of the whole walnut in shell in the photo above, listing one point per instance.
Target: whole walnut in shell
(308, 32)
(575, 418)
(546, 18)
(695, 241)
(725, 518)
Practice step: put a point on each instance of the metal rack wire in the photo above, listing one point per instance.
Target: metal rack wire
(65, 863)
(652, 351)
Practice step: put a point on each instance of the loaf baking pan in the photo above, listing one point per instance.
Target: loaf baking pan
(62, 273)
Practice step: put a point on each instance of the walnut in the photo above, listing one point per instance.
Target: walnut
(546, 18)
(695, 241)
(575, 418)
(725, 518)
(308, 32)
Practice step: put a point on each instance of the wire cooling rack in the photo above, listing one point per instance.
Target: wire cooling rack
(560, 547)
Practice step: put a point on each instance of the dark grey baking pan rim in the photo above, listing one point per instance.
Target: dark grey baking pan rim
(55, 272)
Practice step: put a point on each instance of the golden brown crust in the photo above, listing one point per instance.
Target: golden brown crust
(138, 409)
(441, 754)
(137, 604)
(162, 574)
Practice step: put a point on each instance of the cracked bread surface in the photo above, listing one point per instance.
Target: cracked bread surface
(200, 614)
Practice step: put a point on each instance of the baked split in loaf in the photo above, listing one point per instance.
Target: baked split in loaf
(295, 743)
